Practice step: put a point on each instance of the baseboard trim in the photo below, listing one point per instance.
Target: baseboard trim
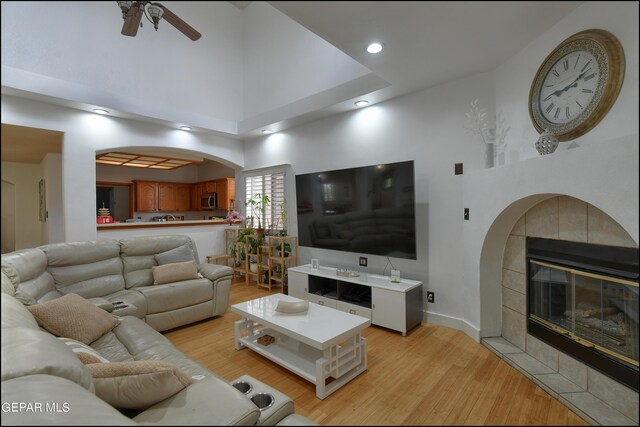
(453, 322)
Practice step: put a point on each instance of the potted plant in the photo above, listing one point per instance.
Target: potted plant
(286, 247)
(253, 265)
(257, 205)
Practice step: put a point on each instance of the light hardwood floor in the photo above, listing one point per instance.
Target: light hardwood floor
(433, 376)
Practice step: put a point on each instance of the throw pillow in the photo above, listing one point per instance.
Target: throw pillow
(180, 254)
(175, 272)
(74, 317)
(137, 385)
(86, 354)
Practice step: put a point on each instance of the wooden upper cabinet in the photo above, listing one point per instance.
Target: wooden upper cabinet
(146, 196)
(210, 187)
(166, 197)
(223, 195)
(196, 192)
(226, 193)
(183, 197)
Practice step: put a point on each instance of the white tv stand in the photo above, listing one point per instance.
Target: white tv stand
(396, 306)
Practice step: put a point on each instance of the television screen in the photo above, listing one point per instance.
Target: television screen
(368, 210)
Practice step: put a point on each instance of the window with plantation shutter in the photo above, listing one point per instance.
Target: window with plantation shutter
(273, 185)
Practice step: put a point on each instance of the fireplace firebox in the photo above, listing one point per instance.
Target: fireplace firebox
(583, 300)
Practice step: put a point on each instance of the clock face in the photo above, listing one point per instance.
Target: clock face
(577, 84)
(569, 87)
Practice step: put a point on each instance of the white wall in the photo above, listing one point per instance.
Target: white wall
(159, 74)
(427, 127)
(86, 133)
(28, 228)
(514, 77)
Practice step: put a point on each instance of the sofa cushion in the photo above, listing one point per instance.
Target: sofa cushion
(138, 256)
(180, 254)
(172, 296)
(174, 272)
(15, 314)
(72, 404)
(7, 286)
(89, 269)
(74, 317)
(86, 354)
(137, 385)
(27, 271)
(111, 348)
(29, 352)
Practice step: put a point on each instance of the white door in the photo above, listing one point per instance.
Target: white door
(298, 284)
(388, 309)
(8, 217)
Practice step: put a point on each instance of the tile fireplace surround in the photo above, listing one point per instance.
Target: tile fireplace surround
(587, 194)
(581, 388)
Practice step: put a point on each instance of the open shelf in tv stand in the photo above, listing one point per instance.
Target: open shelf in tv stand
(396, 306)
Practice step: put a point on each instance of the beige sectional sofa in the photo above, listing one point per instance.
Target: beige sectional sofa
(108, 271)
(45, 383)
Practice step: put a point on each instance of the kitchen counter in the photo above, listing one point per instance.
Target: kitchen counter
(159, 224)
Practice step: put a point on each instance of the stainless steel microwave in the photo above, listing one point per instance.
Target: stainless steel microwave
(209, 201)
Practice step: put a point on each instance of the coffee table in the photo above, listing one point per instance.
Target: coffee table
(323, 345)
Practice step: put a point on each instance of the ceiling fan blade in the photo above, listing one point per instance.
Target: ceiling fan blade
(180, 25)
(132, 22)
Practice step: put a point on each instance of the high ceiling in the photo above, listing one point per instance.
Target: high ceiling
(426, 44)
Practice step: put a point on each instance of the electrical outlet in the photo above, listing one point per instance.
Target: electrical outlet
(363, 261)
(466, 214)
(431, 297)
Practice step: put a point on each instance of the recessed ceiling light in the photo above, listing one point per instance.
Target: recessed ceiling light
(374, 47)
(100, 111)
(361, 103)
(267, 131)
(185, 127)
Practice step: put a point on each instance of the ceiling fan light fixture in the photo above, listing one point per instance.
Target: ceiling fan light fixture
(124, 7)
(155, 12)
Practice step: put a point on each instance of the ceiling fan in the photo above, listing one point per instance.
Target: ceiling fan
(132, 12)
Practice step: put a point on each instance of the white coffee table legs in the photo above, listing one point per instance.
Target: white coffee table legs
(338, 363)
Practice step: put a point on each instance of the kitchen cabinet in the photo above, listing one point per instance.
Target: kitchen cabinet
(166, 197)
(210, 187)
(155, 196)
(226, 193)
(146, 196)
(183, 197)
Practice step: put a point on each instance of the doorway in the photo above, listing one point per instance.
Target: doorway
(117, 197)
(8, 217)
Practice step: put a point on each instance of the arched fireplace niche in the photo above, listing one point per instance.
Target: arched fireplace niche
(544, 221)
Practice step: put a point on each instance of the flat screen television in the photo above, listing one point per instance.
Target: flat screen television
(369, 210)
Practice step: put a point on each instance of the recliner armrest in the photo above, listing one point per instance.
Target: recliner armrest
(210, 401)
(214, 272)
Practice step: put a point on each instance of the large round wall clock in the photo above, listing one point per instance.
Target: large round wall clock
(577, 84)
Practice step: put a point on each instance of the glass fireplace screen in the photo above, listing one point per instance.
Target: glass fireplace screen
(595, 310)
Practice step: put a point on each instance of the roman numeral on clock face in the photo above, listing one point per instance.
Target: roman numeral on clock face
(557, 113)
(567, 113)
(586, 65)
(590, 76)
(555, 73)
(550, 107)
(587, 91)
(565, 64)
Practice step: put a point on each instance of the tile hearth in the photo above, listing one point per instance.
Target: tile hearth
(574, 396)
